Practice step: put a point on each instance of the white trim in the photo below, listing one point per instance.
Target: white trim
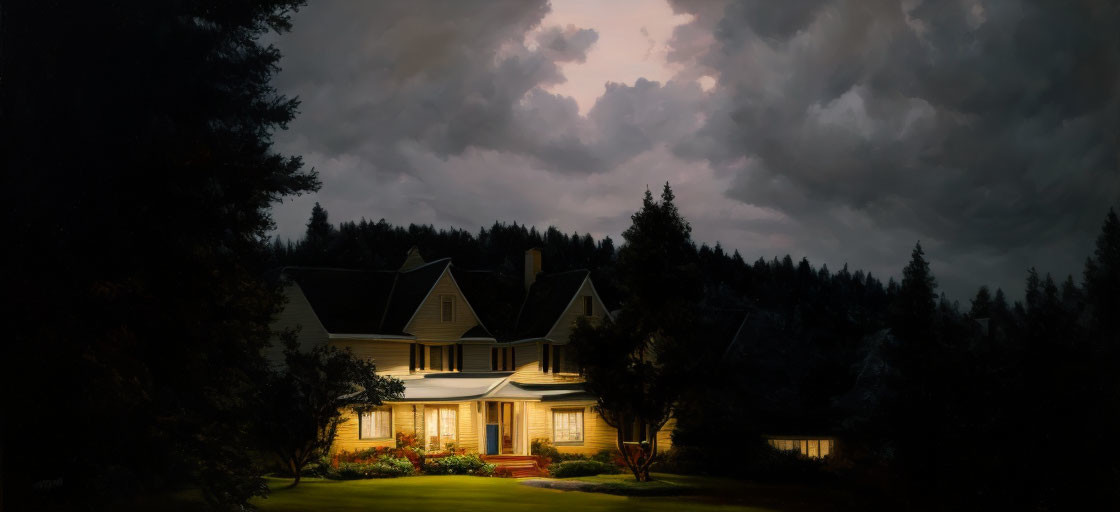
(596, 293)
(446, 270)
(586, 279)
(341, 336)
(464, 296)
(426, 295)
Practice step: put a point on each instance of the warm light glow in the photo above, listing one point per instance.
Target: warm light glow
(812, 448)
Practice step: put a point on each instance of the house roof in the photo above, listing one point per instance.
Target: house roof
(381, 302)
(346, 301)
(370, 301)
(409, 291)
(485, 385)
(445, 387)
(546, 301)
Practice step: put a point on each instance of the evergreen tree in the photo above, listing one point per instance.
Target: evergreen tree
(145, 174)
(981, 304)
(1102, 278)
(634, 365)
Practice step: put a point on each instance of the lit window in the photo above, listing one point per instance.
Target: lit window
(567, 426)
(812, 448)
(447, 308)
(440, 425)
(375, 424)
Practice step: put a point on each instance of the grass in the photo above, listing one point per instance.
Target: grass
(469, 493)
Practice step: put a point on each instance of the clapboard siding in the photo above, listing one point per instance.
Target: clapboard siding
(391, 357)
(347, 436)
(468, 427)
(297, 314)
(597, 435)
(428, 323)
(563, 328)
(664, 441)
(476, 358)
(528, 369)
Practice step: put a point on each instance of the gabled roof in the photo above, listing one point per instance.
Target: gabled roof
(369, 301)
(383, 302)
(546, 301)
(346, 301)
(409, 292)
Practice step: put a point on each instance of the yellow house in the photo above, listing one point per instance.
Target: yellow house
(463, 385)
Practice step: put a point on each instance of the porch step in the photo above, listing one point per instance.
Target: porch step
(519, 466)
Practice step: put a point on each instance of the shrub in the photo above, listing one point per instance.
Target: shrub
(458, 465)
(606, 456)
(543, 448)
(405, 440)
(571, 468)
(386, 466)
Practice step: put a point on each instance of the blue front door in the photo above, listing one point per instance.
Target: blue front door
(491, 439)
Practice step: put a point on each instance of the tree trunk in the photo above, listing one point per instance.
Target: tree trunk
(650, 455)
(295, 471)
(626, 454)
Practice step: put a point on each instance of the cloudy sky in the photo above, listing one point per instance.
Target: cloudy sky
(842, 131)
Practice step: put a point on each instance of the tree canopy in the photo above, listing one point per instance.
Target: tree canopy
(139, 177)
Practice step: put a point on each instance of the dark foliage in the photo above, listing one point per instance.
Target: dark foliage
(1003, 404)
(302, 403)
(138, 177)
(636, 365)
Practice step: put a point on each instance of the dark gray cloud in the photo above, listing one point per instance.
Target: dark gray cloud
(987, 130)
(840, 130)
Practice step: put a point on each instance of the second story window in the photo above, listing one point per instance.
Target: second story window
(587, 310)
(447, 308)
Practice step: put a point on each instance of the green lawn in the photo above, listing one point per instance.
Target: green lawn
(469, 493)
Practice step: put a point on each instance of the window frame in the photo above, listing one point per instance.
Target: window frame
(588, 306)
(582, 425)
(361, 422)
(439, 426)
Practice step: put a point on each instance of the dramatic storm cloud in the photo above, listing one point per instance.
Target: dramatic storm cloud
(842, 131)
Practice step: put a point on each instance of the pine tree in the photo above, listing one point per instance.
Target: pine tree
(1102, 278)
(145, 175)
(633, 365)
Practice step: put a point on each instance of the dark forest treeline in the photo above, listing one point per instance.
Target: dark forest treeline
(990, 404)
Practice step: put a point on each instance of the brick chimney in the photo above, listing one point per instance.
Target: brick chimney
(532, 266)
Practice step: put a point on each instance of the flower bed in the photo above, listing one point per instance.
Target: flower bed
(407, 458)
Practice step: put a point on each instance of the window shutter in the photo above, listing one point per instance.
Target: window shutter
(459, 355)
(494, 359)
(412, 357)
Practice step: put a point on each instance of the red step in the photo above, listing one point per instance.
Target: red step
(519, 466)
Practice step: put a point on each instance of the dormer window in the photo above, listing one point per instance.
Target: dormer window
(447, 308)
(587, 310)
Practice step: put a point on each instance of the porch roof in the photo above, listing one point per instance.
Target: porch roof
(438, 387)
(485, 386)
(542, 392)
